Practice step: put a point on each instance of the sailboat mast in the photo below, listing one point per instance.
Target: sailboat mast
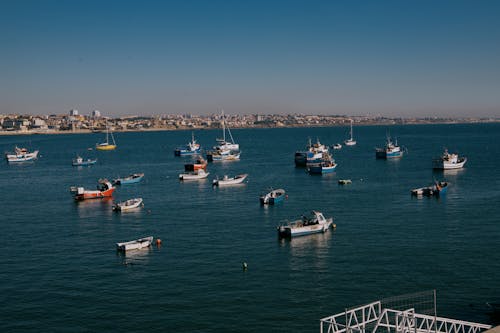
(223, 127)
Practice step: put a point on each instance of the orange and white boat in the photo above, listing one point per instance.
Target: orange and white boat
(200, 163)
(105, 189)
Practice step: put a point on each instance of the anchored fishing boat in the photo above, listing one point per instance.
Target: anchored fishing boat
(273, 197)
(200, 163)
(21, 155)
(449, 161)
(229, 180)
(194, 175)
(391, 150)
(137, 244)
(128, 204)
(192, 148)
(313, 154)
(315, 223)
(79, 161)
(132, 179)
(104, 189)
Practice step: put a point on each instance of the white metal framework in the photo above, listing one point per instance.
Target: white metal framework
(376, 317)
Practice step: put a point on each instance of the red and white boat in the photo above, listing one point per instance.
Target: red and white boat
(105, 189)
(200, 163)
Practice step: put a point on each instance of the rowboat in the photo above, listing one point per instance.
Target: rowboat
(229, 180)
(137, 244)
(21, 155)
(315, 223)
(273, 197)
(133, 178)
(194, 175)
(128, 204)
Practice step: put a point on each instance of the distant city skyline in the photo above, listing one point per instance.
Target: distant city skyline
(393, 58)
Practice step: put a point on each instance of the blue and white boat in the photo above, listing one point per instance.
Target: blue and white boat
(273, 197)
(325, 165)
(391, 150)
(132, 179)
(315, 223)
(192, 148)
(79, 161)
(21, 155)
(313, 154)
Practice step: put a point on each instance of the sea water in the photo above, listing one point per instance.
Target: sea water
(60, 271)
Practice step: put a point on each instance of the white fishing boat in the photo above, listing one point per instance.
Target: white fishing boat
(21, 155)
(315, 223)
(229, 180)
(127, 205)
(449, 161)
(350, 141)
(194, 175)
(137, 244)
(79, 161)
(222, 144)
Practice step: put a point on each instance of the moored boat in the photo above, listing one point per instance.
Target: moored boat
(131, 179)
(449, 161)
(315, 223)
(350, 141)
(128, 204)
(192, 148)
(200, 163)
(337, 146)
(137, 244)
(273, 197)
(107, 145)
(313, 154)
(79, 161)
(194, 175)
(229, 180)
(223, 155)
(345, 181)
(104, 189)
(221, 142)
(391, 150)
(437, 189)
(21, 155)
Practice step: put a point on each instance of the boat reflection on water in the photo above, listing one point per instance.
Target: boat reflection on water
(309, 243)
(134, 257)
(92, 208)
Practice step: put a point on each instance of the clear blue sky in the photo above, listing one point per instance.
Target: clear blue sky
(394, 58)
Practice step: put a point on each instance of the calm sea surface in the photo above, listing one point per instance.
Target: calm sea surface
(60, 271)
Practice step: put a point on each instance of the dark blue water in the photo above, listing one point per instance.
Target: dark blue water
(60, 271)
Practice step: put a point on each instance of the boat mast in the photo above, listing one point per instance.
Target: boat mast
(223, 126)
(351, 129)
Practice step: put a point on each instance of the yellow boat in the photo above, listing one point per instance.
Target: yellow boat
(107, 145)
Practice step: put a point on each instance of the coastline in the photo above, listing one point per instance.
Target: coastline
(161, 129)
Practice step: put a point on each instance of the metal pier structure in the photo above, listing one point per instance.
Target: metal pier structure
(412, 313)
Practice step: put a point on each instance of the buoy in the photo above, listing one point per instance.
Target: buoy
(158, 242)
(245, 266)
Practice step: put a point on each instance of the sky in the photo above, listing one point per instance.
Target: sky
(392, 58)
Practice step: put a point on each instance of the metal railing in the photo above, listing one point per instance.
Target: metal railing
(375, 317)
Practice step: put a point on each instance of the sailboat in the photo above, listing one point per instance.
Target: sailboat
(224, 145)
(107, 145)
(350, 141)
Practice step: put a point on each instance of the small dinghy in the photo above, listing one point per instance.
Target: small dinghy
(137, 244)
(230, 180)
(127, 205)
(273, 197)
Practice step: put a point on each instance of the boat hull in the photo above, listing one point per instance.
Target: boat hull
(105, 147)
(442, 165)
(84, 163)
(135, 244)
(273, 197)
(94, 194)
(230, 181)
